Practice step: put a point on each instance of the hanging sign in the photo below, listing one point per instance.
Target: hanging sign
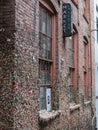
(67, 20)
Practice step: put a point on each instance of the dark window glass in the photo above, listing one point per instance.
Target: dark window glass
(42, 98)
(71, 52)
(97, 28)
(44, 72)
(49, 48)
(48, 25)
(45, 57)
(44, 21)
(71, 86)
(71, 93)
(85, 86)
(96, 8)
(45, 40)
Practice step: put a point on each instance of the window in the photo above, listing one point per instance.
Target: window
(97, 28)
(86, 72)
(71, 68)
(71, 86)
(45, 44)
(85, 68)
(45, 58)
(71, 51)
(97, 8)
(73, 65)
(85, 84)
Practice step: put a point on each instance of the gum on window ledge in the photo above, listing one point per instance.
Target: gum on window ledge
(45, 116)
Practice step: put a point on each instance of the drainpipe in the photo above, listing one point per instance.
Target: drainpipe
(96, 114)
(92, 114)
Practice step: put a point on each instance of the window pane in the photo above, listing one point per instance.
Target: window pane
(42, 98)
(43, 46)
(71, 93)
(47, 69)
(71, 44)
(40, 16)
(96, 8)
(44, 21)
(71, 52)
(71, 85)
(45, 52)
(71, 75)
(48, 24)
(49, 48)
(45, 72)
(40, 45)
(44, 40)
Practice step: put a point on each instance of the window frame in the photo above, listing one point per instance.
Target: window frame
(53, 38)
(73, 84)
(45, 35)
(75, 66)
(86, 71)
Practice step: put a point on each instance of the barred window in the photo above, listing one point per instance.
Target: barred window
(86, 73)
(71, 85)
(73, 44)
(45, 58)
(45, 41)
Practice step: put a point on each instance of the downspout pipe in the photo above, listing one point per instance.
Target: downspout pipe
(95, 115)
(92, 113)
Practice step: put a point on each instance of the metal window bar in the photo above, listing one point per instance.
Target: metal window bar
(44, 72)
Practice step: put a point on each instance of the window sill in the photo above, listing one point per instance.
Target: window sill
(46, 116)
(74, 107)
(86, 103)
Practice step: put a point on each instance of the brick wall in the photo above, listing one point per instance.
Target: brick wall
(19, 82)
(7, 28)
(26, 64)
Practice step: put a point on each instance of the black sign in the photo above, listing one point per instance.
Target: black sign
(67, 20)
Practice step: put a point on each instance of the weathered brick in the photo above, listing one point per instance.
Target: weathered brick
(19, 57)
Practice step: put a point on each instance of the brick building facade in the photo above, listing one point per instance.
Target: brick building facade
(41, 70)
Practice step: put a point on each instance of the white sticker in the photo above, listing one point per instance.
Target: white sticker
(48, 99)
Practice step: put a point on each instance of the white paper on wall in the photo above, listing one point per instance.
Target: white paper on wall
(48, 99)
